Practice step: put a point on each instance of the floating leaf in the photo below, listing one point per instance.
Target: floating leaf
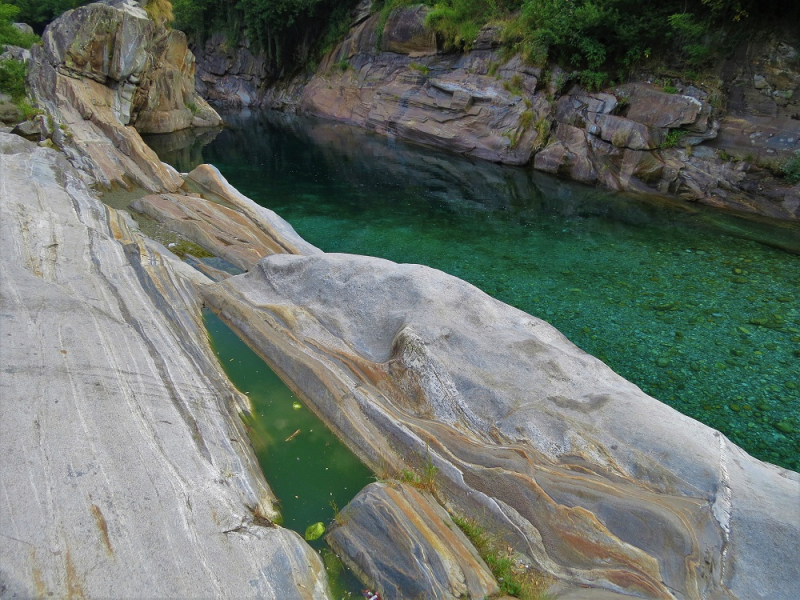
(315, 531)
(296, 405)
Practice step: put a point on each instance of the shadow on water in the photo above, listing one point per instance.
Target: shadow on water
(696, 306)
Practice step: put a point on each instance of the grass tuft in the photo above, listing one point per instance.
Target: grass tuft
(514, 578)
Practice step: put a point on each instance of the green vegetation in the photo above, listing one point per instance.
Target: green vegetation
(343, 64)
(424, 480)
(291, 32)
(673, 138)
(183, 247)
(38, 13)
(12, 79)
(315, 531)
(514, 579)
(424, 69)
(791, 168)
(604, 39)
(10, 34)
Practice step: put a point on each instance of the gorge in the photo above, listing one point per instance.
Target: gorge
(129, 465)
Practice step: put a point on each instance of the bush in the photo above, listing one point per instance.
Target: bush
(12, 79)
(160, 11)
(38, 13)
(791, 168)
(10, 34)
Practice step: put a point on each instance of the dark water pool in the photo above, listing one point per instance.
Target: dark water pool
(308, 469)
(698, 308)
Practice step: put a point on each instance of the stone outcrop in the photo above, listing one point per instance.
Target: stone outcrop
(633, 137)
(427, 555)
(229, 225)
(104, 68)
(589, 478)
(126, 469)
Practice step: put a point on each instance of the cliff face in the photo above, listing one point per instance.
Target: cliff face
(633, 137)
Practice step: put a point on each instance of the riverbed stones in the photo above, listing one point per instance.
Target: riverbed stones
(126, 470)
(404, 545)
(596, 482)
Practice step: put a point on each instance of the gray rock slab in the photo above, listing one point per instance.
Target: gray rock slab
(598, 483)
(126, 471)
(405, 545)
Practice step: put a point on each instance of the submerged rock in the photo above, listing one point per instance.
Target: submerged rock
(598, 483)
(403, 544)
(126, 470)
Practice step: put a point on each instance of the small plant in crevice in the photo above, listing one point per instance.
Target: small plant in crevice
(420, 68)
(343, 65)
(791, 168)
(514, 578)
(424, 479)
(543, 126)
(514, 85)
(673, 138)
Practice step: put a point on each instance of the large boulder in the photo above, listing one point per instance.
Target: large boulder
(105, 66)
(403, 544)
(223, 221)
(596, 482)
(126, 469)
(405, 32)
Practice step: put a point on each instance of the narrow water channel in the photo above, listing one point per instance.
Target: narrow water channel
(308, 469)
(698, 308)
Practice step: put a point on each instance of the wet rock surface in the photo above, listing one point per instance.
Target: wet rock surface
(596, 482)
(126, 469)
(404, 545)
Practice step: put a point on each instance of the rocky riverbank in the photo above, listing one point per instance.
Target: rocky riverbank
(127, 469)
(717, 144)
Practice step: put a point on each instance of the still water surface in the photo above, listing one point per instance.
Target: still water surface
(684, 301)
(308, 469)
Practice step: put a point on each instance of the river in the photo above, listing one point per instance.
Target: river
(697, 307)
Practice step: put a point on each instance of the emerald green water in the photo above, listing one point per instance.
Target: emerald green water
(683, 301)
(308, 469)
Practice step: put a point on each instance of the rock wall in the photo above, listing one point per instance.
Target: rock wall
(634, 137)
(106, 68)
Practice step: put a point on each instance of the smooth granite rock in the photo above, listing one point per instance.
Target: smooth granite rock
(228, 225)
(126, 470)
(404, 545)
(596, 482)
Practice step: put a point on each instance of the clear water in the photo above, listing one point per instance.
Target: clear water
(308, 469)
(698, 308)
